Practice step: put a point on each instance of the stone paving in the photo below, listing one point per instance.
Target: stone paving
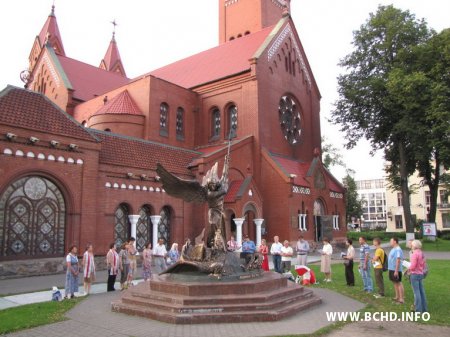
(93, 317)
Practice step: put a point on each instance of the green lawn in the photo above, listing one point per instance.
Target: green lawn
(438, 246)
(32, 315)
(437, 288)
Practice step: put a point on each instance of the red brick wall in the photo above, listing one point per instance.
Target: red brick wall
(243, 16)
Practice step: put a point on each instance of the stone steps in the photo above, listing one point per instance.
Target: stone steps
(217, 317)
(210, 304)
(176, 299)
(222, 299)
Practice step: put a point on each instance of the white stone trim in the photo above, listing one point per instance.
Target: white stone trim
(336, 195)
(273, 50)
(301, 190)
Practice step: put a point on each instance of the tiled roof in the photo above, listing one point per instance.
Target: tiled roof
(228, 59)
(142, 154)
(32, 110)
(292, 166)
(123, 103)
(89, 81)
(233, 190)
(51, 28)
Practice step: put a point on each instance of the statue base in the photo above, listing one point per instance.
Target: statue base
(187, 298)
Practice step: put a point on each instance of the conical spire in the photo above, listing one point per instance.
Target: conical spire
(50, 34)
(112, 61)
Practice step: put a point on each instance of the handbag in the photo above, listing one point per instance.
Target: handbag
(346, 262)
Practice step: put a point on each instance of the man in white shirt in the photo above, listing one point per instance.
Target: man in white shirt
(159, 256)
(286, 257)
(275, 250)
(302, 250)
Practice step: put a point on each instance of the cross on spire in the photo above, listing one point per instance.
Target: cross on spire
(114, 23)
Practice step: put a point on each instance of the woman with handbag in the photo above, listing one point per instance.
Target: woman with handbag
(348, 263)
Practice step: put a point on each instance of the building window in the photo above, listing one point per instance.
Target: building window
(302, 222)
(180, 123)
(399, 199)
(445, 220)
(290, 119)
(32, 219)
(143, 232)
(427, 198)
(122, 227)
(379, 183)
(215, 123)
(398, 222)
(232, 121)
(336, 222)
(443, 196)
(164, 225)
(164, 119)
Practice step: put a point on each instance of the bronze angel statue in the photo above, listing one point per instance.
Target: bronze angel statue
(212, 190)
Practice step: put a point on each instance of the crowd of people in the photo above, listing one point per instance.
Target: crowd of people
(124, 264)
(393, 264)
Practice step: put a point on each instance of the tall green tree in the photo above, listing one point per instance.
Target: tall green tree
(365, 108)
(353, 203)
(421, 89)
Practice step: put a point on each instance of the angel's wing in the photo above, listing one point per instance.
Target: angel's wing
(188, 190)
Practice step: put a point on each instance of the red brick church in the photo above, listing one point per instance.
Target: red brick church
(79, 146)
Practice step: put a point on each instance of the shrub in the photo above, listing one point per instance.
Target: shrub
(370, 235)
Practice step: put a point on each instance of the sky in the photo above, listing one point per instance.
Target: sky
(152, 33)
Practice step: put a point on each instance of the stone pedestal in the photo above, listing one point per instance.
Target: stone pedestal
(191, 299)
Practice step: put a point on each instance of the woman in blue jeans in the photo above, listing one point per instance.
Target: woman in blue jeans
(416, 271)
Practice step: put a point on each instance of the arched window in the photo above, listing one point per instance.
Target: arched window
(215, 123)
(108, 130)
(32, 219)
(164, 225)
(180, 123)
(143, 227)
(164, 119)
(232, 122)
(247, 33)
(84, 123)
(122, 227)
(290, 119)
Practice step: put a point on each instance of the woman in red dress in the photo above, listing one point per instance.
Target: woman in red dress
(264, 250)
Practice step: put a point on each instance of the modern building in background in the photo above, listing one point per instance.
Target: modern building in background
(373, 196)
(420, 206)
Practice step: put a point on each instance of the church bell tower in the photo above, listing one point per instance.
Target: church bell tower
(242, 17)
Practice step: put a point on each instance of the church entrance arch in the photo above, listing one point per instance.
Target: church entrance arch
(319, 213)
(32, 219)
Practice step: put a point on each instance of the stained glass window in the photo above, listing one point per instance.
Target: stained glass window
(32, 219)
(232, 121)
(180, 123)
(290, 119)
(164, 225)
(143, 228)
(215, 123)
(164, 119)
(122, 225)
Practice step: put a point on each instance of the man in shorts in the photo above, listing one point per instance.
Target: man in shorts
(395, 260)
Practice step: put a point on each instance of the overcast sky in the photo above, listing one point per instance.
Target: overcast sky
(153, 33)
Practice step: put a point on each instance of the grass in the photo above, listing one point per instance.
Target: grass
(33, 315)
(436, 287)
(433, 246)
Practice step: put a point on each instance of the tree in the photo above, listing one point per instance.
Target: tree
(365, 107)
(352, 201)
(331, 155)
(421, 89)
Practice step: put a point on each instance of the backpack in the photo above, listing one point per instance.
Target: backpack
(385, 261)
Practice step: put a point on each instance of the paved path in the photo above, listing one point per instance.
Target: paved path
(93, 317)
